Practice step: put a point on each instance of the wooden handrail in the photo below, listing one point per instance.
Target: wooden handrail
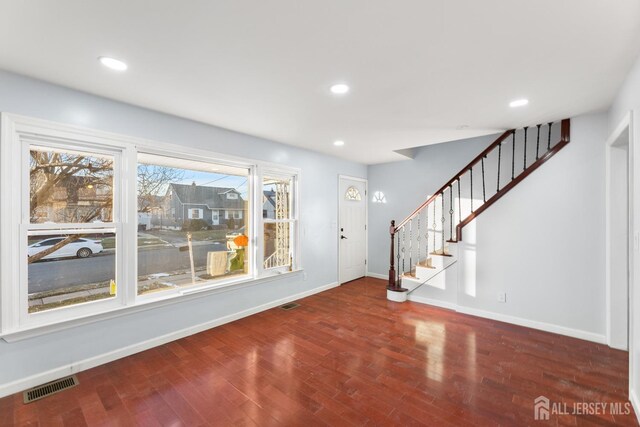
(564, 140)
(395, 274)
(471, 164)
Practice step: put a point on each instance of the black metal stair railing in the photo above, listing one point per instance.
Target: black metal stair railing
(403, 262)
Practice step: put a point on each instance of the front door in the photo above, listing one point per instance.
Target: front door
(352, 229)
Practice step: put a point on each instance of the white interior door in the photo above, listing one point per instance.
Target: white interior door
(352, 230)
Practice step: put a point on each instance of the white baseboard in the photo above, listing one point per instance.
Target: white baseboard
(542, 326)
(534, 324)
(92, 362)
(377, 276)
(437, 303)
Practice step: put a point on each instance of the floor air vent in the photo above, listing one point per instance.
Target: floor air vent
(289, 306)
(48, 389)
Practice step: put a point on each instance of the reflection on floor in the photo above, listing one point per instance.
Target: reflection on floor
(345, 357)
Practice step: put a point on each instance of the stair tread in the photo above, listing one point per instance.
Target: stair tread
(426, 264)
(440, 253)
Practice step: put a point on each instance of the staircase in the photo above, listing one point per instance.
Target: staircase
(423, 245)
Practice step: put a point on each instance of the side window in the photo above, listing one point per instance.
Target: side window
(64, 200)
(280, 221)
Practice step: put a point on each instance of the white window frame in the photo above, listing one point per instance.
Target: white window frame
(200, 213)
(18, 136)
(294, 218)
(15, 322)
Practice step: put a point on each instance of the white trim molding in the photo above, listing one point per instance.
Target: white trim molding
(377, 275)
(534, 324)
(20, 134)
(434, 302)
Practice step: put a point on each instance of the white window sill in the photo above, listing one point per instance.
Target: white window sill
(148, 303)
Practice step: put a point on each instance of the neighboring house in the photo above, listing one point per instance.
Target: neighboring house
(269, 204)
(73, 199)
(215, 205)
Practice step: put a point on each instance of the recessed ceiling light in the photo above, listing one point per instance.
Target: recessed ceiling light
(518, 103)
(112, 63)
(339, 89)
(338, 143)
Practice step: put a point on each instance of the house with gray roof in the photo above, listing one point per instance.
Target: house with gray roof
(215, 205)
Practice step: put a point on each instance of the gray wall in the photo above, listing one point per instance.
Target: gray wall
(628, 99)
(542, 243)
(407, 184)
(318, 214)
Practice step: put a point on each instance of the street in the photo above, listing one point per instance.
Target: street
(63, 273)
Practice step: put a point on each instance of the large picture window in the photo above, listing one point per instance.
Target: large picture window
(181, 240)
(94, 223)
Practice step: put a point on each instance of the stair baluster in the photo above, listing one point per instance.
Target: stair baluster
(459, 205)
(404, 246)
(538, 143)
(442, 220)
(513, 155)
(410, 246)
(418, 241)
(525, 148)
(435, 225)
(451, 212)
(398, 266)
(499, 163)
(484, 193)
(426, 224)
(471, 187)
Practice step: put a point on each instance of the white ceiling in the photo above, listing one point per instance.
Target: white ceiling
(418, 69)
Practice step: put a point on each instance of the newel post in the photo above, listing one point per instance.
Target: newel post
(392, 258)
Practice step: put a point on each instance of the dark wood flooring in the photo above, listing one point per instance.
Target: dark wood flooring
(344, 357)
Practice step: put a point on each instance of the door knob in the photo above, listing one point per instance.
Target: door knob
(342, 237)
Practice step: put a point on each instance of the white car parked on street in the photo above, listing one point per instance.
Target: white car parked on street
(81, 248)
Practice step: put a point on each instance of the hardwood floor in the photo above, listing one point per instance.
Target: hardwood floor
(344, 357)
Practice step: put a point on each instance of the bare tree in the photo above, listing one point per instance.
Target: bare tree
(68, 188)
(153, 182)
(74, 188)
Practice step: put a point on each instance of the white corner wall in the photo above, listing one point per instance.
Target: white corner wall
(626, 102)
(36, 360)
(542, 243)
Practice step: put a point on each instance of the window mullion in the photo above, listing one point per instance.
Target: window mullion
(10, 173)
(258, 235)
(129, 220)
(295, 215)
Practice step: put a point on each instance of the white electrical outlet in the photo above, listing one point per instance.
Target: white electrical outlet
(502, 297)
(304, 275)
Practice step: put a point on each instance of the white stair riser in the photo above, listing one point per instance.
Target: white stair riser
(439, 262)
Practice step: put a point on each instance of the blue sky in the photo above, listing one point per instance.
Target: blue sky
(211, 179)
